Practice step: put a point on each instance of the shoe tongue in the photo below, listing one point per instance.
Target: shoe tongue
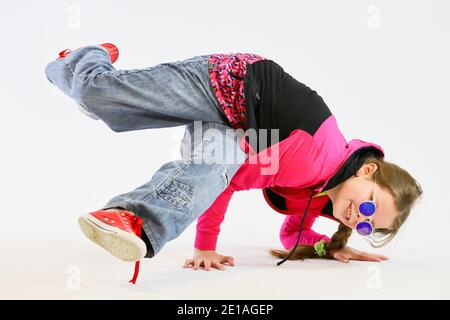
(137, 225)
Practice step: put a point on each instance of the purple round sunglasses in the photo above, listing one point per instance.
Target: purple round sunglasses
(366, 208)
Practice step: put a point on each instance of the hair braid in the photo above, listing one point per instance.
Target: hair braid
(338, 241)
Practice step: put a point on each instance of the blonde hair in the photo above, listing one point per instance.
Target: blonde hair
(390, 177)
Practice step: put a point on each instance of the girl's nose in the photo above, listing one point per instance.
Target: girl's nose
(362, 217)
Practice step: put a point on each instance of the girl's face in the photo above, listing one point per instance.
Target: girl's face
(347, 196)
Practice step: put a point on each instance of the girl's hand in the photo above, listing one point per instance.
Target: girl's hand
(208, 259)
(347, 253)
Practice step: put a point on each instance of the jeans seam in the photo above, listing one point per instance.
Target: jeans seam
(125, 72)
(128, 72)
(154, 242)
(173, 175)
(67, 66)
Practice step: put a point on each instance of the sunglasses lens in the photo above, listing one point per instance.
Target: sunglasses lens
(367, 208)
(364, 228)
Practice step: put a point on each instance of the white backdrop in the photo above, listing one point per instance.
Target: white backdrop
(381, 66)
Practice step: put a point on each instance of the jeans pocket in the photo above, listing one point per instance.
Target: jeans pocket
(177, 193)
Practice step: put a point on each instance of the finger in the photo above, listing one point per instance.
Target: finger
(196, 264)
(188, 263)
(207, 265)
(376, 255)
(227, 259)
(382, 257)
(218, 265)
(363, 257)
(373, 257)
(341, 257)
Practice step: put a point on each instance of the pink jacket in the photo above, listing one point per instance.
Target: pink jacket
(306, 164)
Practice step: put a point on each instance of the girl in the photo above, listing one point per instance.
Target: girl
(282, 137)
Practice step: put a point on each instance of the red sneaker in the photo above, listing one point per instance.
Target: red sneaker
(112, 50)
(119, 232)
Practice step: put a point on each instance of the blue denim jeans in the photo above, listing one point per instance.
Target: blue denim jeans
(166, 95)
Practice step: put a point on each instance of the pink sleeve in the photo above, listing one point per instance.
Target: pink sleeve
(255, 172)
(290, 228)
(258, 171)
(208, 224)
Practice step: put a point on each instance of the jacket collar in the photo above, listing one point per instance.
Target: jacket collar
(361, 150)
(357, 152)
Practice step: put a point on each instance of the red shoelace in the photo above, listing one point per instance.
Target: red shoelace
(136, 226)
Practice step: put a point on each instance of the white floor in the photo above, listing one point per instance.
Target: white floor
(388, 63)
(82, 271)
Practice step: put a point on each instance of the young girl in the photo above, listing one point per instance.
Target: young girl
(282, 137)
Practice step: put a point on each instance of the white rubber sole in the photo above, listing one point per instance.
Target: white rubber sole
(124, 245)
